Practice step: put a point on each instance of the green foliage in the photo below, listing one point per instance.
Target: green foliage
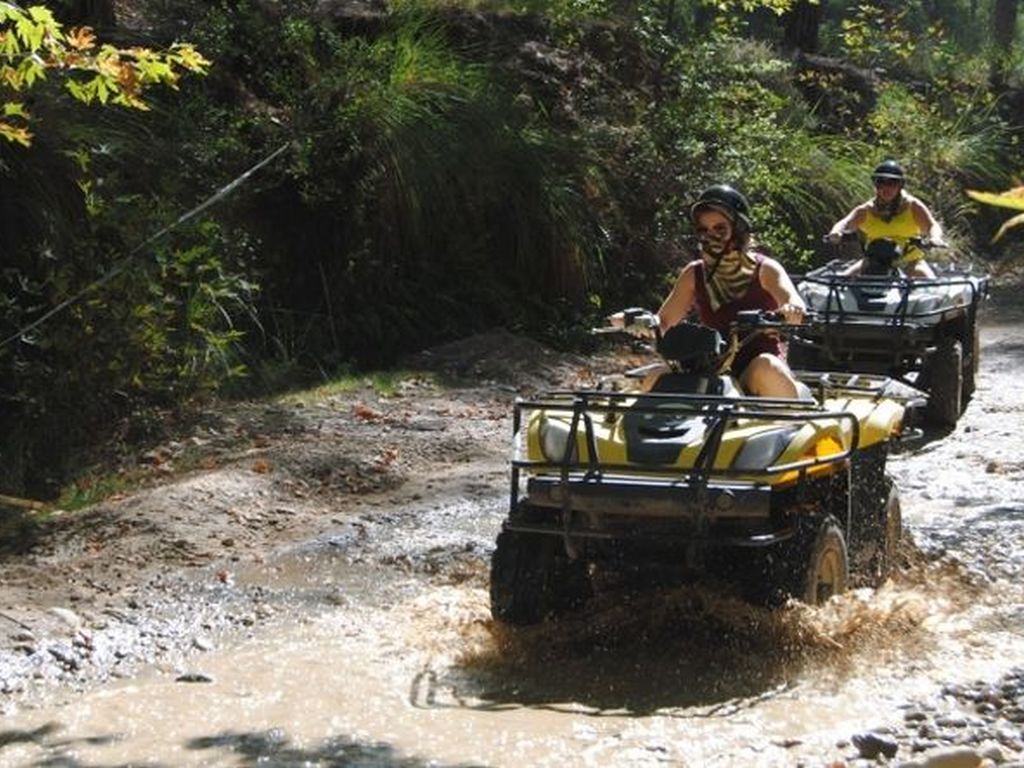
(737, 119)
(416, 164)
(528, 164)
(33, 45)
(875, 36)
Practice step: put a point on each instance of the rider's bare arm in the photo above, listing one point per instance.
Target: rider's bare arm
(926, 222)
(777, 282)
(680, 300)
(850, 222)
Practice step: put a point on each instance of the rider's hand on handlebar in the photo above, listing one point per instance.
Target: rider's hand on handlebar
(792, 314)
(833, 238)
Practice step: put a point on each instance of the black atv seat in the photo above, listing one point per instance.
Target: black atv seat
(694, 346)
(880, 257)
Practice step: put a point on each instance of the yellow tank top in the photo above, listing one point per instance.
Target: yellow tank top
(900, 228)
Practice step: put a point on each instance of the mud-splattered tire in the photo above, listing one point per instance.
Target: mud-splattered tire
(532, 578)
(826, 566)
(892, 528)
(970, 365)
(945, 384)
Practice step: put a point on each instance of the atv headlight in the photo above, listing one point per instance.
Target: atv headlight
(762, 450)
(554, 438)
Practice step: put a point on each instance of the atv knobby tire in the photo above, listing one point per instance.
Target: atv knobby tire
(970, 365)
(945, 384)
(825, 567)
(892, 528)
(533, 578)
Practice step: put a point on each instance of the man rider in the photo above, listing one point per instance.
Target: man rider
(893, 214)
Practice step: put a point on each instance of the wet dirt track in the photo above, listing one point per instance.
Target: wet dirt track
(372, 645)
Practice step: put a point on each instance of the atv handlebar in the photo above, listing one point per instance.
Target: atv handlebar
(761, 318)
(835, 238)
(642, 322)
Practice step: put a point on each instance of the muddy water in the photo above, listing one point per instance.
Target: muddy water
(386, 655)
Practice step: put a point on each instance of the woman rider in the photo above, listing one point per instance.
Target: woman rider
(729, 278)
(893, 214)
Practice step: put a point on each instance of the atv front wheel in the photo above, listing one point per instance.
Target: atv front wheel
(826, 569)
(532, 578)
(892, 525)
(945, 384)
(971, 365)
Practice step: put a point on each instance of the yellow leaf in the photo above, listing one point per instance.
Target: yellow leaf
(14, 133)
(1011, 198)
(190, 58)
(1009, 224)
(81, 38)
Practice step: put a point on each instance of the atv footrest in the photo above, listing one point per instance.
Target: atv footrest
(650, 498)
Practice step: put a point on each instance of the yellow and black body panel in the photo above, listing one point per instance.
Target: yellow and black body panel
(673, 468)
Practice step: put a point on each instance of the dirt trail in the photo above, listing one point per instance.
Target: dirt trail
(315, 594)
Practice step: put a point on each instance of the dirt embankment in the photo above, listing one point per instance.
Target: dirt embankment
(261, 476)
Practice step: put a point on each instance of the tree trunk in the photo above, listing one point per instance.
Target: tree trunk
(98, 14)
(703, 18)
(800, 32)
(1004, 32)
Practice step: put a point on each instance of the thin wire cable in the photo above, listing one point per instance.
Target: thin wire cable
(118, 268)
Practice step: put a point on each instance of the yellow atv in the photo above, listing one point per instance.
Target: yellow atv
(670, 470)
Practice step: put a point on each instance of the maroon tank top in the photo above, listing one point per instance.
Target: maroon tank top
(755, 297)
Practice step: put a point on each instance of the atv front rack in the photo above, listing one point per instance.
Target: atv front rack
(599, 498)
(834, 312)
(892, 340)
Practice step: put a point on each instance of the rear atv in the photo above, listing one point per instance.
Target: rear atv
(923, 332)
(671, 471)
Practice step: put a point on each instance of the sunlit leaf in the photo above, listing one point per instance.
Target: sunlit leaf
(15, 133)
(81, 38)
(9, 45)
(30, 33)
(1011, 198)
(9, 11)
(190, 58)
(1009, 224)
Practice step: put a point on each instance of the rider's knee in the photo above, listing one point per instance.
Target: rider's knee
(769, 376)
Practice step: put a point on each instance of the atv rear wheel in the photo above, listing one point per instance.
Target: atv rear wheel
(532, 578)
(826, 568)
(945, 384)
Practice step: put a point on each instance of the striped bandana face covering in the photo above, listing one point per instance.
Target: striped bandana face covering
(886, 210)
(727, 277)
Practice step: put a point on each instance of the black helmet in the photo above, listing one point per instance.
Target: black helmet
(726, 200)
(888, 169)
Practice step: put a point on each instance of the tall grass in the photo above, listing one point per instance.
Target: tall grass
(433, 201)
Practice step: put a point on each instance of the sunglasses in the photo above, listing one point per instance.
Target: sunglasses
(887, 182)
(718, 230)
